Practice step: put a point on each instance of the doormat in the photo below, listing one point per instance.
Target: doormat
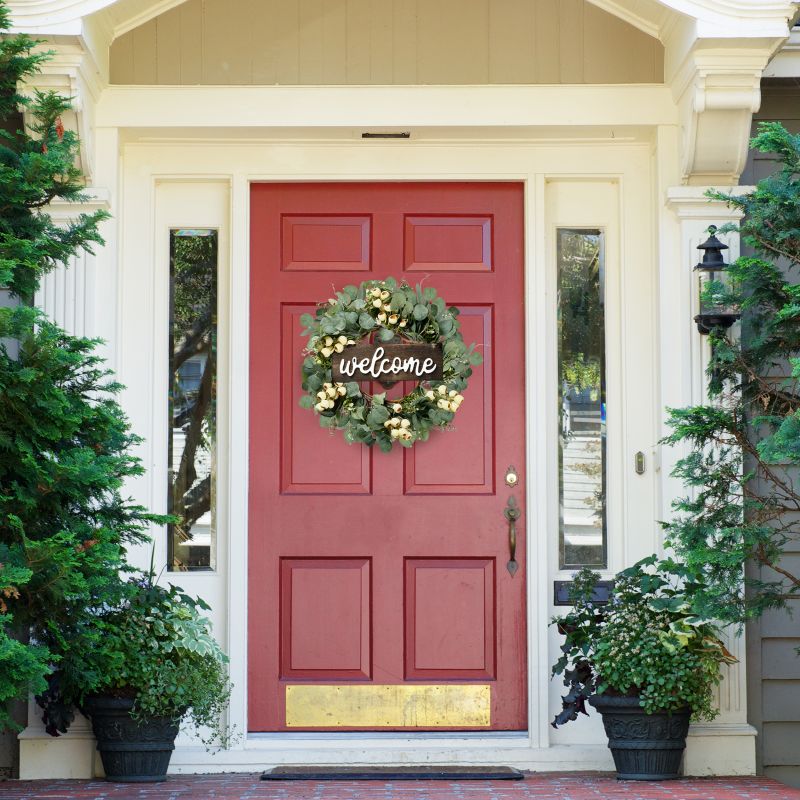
(404, 773)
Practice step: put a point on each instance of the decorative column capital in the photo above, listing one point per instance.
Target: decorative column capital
(71, 71)
(716, 84)
(691, 203)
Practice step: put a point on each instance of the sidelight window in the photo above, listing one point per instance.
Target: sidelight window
(581, 398)
(192, 399)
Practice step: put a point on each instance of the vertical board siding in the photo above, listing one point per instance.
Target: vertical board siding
(339, 42)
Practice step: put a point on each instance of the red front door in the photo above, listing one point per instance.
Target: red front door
(386, 570)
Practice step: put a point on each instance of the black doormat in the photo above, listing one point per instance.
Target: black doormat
(425, 773)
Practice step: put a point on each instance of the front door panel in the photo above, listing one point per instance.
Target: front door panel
(378, 591)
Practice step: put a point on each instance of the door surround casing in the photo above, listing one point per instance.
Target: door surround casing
(151, 168)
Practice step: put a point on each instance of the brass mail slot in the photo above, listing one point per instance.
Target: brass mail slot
(388, 706)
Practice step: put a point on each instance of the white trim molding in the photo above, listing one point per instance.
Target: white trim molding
(136, 254)
(716, 84)
(357, 108)
(786, 63)
(727, 744)
(713, 17)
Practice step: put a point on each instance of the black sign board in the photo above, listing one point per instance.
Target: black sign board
(388, 363)
(601, 594)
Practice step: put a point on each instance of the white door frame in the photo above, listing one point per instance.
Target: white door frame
(144, 220)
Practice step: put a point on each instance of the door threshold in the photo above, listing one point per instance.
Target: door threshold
(371, 735)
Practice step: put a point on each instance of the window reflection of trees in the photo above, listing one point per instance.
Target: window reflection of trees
(581, 331)
(193, 326)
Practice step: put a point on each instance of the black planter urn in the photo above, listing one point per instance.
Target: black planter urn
(646, 747)
(132, 751)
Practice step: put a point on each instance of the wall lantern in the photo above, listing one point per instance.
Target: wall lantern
(713, 315)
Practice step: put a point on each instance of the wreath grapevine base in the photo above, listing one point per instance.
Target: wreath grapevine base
(388, 311)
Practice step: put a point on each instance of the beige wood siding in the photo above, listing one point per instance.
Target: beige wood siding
(337, 42)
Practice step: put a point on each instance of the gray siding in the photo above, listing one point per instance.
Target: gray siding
(773, 664)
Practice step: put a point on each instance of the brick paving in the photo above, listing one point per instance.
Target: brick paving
(539, 786)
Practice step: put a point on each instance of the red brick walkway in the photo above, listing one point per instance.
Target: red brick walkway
(574, 786)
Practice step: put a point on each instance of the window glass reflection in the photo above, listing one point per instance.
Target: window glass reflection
(192, 399)
(582, 398)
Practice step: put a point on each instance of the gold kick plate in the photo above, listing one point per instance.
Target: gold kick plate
(388, 706)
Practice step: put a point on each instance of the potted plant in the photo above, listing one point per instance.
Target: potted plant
(645, 660)
(154, 665)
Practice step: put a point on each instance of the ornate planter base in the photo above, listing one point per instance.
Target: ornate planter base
(131, 751)
(645, 747)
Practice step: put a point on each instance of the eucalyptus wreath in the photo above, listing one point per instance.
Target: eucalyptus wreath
(387, 311)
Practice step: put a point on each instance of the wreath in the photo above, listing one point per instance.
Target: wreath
(384, 311)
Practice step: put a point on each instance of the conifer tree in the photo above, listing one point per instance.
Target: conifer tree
(743, 464)
(65, 445)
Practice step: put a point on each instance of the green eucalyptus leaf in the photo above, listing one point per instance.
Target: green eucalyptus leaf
(377, 416)
(420, 312)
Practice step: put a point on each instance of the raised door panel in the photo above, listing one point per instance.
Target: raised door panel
(461, 460)
(325, 618)
(325, 242)
(311, 461)
(450, 618)
(435, 243)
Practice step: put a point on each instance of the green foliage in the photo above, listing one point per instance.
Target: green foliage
(64, 455)
(154, 645)
(68, 619)
(744, 444)
(650, 641)
(388, 310)
(63, 439)
(22, 666)
(35, 169)
(16, 62)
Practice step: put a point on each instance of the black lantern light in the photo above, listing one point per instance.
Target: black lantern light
(713, 315)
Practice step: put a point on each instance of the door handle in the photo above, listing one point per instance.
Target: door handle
(512, 514)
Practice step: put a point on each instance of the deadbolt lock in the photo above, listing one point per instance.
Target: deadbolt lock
(511, 477)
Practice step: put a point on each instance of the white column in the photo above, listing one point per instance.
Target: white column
(67, 294)
(71, 755)
(725, 746)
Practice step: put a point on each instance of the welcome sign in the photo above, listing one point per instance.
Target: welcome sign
(388, 363)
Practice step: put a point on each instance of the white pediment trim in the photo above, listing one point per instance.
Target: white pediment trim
(714, 17)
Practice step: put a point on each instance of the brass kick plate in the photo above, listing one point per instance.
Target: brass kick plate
(387, 706)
